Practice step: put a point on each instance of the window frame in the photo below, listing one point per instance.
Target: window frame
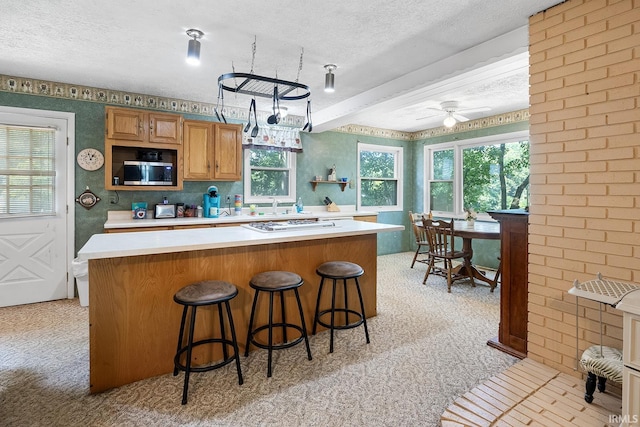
(458, 147)
(398, 176)
(291, 167)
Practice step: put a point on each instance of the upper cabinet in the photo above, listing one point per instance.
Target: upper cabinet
(141, 126)
(212, 151)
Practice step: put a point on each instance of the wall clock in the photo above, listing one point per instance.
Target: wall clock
(90, 159)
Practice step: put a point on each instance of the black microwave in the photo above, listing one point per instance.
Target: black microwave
(148, 173)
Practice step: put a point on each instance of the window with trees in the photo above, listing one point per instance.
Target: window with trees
(269, 174)
(380, 177)
(482, 174)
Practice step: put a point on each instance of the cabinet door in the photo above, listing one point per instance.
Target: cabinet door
(228, 152)
(165, 128)
(123, 123)
(198, 146)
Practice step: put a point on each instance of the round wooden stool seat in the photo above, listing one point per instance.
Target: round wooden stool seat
(276, 282)
(205, 293)
(339, 270)
(209, 292)
(270, 281)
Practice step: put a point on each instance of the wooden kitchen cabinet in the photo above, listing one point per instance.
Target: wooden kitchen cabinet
(212, 151)
(142, 126)
(514, 282)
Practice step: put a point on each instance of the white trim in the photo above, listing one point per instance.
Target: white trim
(70, 190)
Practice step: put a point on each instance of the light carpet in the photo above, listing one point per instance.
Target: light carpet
(427, 348)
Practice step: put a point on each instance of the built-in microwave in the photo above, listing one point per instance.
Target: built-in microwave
(148, 173)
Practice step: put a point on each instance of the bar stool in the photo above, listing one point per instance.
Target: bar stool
(210, 292)
(340, 270)
(276, 282)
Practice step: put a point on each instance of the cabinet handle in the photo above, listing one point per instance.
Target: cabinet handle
(151, 127)
(208, 165)
(217, 166)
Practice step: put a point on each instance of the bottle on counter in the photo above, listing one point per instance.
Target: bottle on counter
(199, 212)
(299, 206)
(179, 210)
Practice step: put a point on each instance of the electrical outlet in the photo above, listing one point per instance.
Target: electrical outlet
(228, 199)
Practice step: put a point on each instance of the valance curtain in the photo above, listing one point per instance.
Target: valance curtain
(274, 138)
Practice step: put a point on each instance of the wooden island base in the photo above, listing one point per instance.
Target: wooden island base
(134, 321)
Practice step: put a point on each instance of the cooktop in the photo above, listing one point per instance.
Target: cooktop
(292, 224)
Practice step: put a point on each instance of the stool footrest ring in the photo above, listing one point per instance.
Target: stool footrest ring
(206, 368)
(276, 346)
(355, 324)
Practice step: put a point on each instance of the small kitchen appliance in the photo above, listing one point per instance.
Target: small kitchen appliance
(211, 202)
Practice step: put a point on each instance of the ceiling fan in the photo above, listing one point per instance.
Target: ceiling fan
(452, 112)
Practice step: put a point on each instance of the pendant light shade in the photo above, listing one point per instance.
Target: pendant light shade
(329, 78)
(193, 51)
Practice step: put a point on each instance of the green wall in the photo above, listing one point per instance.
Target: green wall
(321, 151)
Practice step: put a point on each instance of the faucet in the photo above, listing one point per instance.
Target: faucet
(275, 206)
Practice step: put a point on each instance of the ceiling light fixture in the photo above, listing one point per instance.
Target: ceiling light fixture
(193, 51)
(449, 121)
(329, 78)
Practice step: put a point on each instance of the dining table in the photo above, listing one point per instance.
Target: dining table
(469, 230)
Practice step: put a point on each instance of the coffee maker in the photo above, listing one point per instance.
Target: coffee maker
(211, 202)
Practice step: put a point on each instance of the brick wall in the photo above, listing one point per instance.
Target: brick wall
(585, 169)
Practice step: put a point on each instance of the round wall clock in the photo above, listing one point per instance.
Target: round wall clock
(90, 159)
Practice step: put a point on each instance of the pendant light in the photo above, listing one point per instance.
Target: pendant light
(329, 78)
(193, 51)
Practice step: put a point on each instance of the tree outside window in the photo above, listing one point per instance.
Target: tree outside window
(380, 177)
(489, 174)
(269, 174)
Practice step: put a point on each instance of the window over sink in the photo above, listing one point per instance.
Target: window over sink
(269, 174)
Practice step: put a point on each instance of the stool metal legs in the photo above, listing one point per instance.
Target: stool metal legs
(187, 368)
(270, 346)
(362, 318)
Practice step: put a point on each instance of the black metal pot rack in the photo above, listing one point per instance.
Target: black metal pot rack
(263, 87)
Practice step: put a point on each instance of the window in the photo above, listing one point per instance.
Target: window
(269, 174)
(380, 177)
(481, 174)
(27, 171)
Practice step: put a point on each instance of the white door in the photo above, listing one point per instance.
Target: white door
(34, 223)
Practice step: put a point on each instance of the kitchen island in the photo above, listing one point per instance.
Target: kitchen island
(133, 321)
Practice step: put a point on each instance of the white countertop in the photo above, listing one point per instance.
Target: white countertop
(124, 219)
(113, 245)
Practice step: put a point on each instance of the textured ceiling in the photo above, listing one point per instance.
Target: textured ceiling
(396, 59)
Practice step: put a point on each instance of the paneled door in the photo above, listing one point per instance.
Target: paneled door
(34, 255)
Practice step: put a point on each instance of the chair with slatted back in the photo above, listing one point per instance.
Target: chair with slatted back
(442, 247)
(421, 240)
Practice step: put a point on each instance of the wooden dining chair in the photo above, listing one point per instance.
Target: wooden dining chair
(442, 247)
(420, 235)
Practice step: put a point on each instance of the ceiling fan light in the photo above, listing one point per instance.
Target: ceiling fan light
(193, 50)
(449, 121)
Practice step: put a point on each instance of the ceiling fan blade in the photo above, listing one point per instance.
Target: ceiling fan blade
(474, 110)
(428, 117)
(459, 118)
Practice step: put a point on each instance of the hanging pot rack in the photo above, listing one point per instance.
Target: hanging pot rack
(263, 87)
